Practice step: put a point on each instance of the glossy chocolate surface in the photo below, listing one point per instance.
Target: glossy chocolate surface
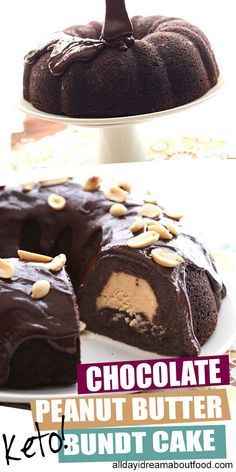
(67, 47)
(85, 218)
(85, 231)
(23, 318)
(117, 23)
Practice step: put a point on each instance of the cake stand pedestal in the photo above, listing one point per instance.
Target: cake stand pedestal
(120, 144)
(119, 137)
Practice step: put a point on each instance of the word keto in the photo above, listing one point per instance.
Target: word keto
(34, 445)
(144, 443)
(151, 374)
(148, 408)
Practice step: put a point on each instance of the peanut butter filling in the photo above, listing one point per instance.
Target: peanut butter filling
(124, 292)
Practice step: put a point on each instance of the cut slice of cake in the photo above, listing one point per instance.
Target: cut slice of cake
(39, 324)
(139, 275)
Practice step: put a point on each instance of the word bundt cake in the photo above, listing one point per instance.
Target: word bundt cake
(138, 275)
(120, 68)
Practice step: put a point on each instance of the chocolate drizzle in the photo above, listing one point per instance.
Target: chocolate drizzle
(65, 49)
(68, 50)
(117, 23)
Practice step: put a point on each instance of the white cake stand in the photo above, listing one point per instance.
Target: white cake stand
(119, 137)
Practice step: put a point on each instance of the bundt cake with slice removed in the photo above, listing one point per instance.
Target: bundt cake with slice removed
(139, 276)
(39, 324)
(120, 68)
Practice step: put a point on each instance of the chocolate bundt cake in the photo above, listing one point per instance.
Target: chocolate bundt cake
(39, 324)
(122, 68)
(146, 281)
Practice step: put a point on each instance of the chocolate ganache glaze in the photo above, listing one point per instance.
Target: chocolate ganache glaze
(120, 68)
(117, 23)
(95, 244)
(23, 318)
(66, 49)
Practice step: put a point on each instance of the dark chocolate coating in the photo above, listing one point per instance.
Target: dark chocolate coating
(189, 295)
(81, 73)
(117, 23)
(51, 322)
(66, 48)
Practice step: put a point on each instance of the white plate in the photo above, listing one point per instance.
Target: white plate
(96, 347)
(27, 108)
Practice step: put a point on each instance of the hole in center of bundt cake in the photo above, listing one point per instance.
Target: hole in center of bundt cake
(127, 293)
